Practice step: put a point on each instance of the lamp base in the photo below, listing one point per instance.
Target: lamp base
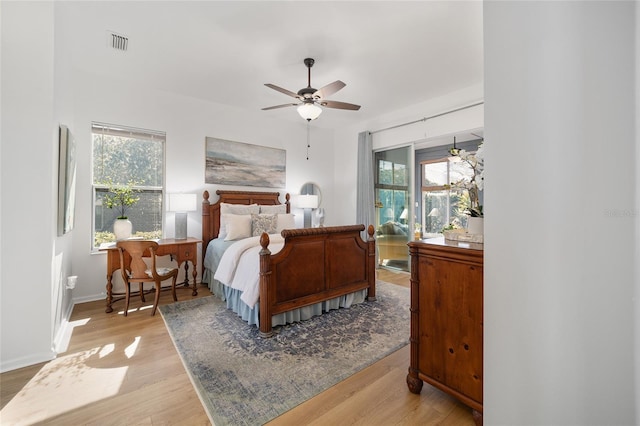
(307, 218)
(181, 226)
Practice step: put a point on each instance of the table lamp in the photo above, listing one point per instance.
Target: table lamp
(181, 204)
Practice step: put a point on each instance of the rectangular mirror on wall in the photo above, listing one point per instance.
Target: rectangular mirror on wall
(394, 215)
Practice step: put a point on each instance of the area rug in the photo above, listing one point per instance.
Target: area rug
(243, 379)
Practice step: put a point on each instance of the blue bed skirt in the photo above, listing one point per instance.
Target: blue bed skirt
(252, 315)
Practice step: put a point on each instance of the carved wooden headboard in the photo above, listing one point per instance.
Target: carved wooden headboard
(211, 212)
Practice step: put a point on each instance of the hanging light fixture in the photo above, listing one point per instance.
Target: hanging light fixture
(454, 152)
(309, 111)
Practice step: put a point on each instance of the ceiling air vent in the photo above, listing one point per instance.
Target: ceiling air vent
(117, 41)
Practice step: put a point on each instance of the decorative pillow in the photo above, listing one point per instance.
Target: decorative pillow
(231, 209)
(286, 221)
(238, 227)
(263, 223)
(275, 209)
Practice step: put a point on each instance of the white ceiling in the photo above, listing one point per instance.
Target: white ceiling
(390, 54)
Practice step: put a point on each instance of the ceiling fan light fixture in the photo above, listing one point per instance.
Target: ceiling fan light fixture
(309, 111)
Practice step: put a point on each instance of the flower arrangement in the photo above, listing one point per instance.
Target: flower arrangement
(476, 183)
(120, 197)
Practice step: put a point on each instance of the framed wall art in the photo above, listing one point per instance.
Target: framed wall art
(66, 181)
(243, 164)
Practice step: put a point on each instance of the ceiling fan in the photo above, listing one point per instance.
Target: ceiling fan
(311, 99)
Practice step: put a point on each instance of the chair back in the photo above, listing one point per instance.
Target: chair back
(137, 249)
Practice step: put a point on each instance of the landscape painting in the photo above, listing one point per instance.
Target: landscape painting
(243, 164)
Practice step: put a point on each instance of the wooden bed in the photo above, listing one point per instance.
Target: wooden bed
(314, 265)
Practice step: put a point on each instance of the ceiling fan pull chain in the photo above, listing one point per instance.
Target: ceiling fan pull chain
(308, 140)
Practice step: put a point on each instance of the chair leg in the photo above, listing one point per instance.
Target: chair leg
(157, 299)
(173, 288)
(127, 290)
(142, 293)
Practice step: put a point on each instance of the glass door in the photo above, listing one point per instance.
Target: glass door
(393, 207)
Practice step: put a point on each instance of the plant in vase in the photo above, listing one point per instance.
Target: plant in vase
(474, 184)
(120, 197)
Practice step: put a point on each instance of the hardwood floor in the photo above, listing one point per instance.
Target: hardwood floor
(122, 371)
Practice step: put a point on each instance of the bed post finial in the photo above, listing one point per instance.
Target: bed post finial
(264, 241)
(286, 202)
(205, 196)
(370, 231)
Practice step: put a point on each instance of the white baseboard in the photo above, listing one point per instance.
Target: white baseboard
(14, 364)
(91, 298)
(61, 339)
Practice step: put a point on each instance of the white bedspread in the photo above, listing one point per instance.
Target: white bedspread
(239, 266)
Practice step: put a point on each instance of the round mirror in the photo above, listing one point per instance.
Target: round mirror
(311, 188)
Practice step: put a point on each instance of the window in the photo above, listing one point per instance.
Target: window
(392, 185)
(442, 205)
(122, 155)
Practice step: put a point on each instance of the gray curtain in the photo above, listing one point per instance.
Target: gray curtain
(365, 208)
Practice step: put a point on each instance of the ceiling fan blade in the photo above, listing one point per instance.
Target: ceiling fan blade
(281, 90)
(279, 106)
(339, 105)
(329, 89)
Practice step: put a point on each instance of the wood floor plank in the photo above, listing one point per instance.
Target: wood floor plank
(121, 370)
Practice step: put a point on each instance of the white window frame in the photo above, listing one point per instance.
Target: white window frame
(136, 133)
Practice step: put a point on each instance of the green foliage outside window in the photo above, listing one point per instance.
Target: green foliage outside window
(128, 180)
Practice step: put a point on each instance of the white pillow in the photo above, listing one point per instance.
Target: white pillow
(286, 221)
(227, 209)
(238, 227)
(275, 209)
(222, 233)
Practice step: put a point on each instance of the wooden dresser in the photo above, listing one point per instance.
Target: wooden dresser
(446, 319)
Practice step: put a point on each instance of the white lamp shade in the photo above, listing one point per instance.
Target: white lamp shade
(309, 111)
(182, 202)
(308, 201)
(405, 214)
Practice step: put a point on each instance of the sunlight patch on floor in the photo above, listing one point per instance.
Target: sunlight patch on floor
(141, 308)
(64, 384)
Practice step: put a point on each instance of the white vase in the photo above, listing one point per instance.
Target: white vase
(475, 225)
(122, 228)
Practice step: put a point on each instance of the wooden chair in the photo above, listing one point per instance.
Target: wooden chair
(137, 270)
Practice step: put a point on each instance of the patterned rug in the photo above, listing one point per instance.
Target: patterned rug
(243, 379)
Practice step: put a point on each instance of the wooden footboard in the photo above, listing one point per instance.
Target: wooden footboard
(315, 264)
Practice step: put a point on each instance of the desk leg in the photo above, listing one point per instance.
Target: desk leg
(186, 274)
(109, 295)
(195, 273)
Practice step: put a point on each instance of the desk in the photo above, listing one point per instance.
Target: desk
(180, 250)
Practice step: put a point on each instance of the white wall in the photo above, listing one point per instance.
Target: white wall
(636, 297)
(28, 155)
(560, 219)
